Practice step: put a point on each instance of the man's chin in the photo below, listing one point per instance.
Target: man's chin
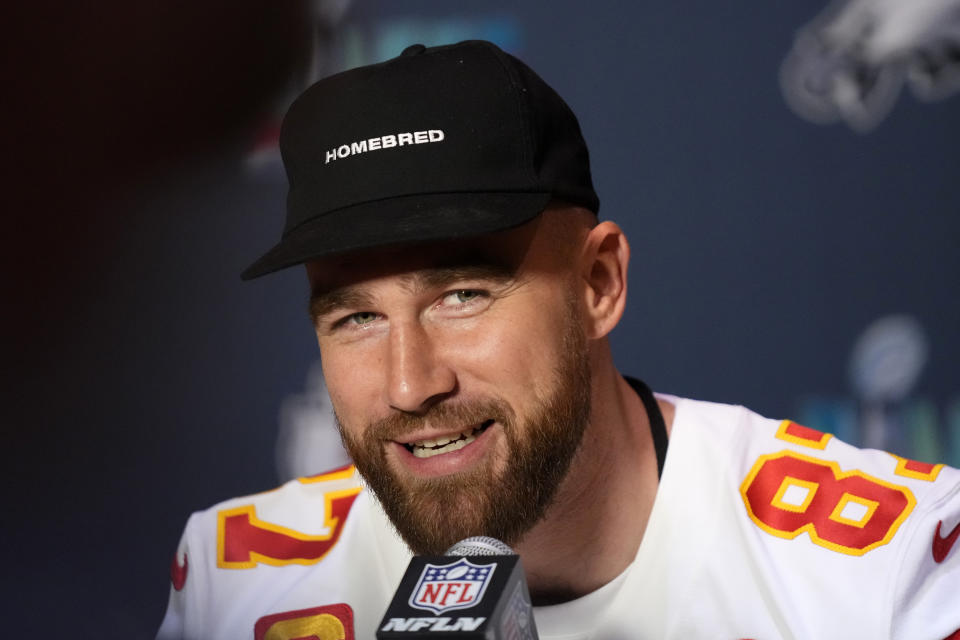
(433, 514)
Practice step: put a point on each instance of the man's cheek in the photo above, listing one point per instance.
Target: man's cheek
(348, 391)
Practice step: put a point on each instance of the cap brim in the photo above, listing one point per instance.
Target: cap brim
(400, 220)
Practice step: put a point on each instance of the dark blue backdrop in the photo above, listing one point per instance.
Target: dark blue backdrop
(147, 379)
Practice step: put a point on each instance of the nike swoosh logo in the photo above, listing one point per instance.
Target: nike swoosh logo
(178, 572)
(941, 545)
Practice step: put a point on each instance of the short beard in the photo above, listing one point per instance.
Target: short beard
(434, 513)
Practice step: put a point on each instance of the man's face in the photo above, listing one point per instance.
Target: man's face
(460, 379)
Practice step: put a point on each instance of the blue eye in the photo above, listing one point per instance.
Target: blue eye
(362, 317)
(462, 297)
(466, 295)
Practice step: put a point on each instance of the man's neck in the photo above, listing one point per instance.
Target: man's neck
(592, 531)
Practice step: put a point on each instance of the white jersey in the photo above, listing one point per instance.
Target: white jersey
(760, 529)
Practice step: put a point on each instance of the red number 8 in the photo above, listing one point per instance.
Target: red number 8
(787, 494)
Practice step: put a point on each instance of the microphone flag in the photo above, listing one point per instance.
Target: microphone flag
(482, 597)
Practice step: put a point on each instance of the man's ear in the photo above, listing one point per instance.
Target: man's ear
(603, 273)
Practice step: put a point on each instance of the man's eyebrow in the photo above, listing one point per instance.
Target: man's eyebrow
(324, 302)
(442, 276)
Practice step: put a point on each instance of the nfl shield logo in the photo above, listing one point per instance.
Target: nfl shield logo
(443, 587)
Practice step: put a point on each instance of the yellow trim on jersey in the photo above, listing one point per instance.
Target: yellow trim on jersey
(330, 523)
(847, 498)
(814, 444)
(790, 481)
(902, 470)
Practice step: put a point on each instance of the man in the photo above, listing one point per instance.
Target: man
(462, 294)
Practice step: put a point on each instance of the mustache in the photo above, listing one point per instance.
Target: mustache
(447, 414)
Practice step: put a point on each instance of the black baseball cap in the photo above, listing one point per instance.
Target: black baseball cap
(438, 143)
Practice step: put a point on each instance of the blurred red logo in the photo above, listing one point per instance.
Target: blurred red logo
(178, 572)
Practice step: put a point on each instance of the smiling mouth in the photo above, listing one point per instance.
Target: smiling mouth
(445, 444)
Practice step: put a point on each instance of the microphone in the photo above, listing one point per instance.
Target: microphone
(476, 591)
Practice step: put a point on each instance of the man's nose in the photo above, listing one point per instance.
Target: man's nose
(417, 377)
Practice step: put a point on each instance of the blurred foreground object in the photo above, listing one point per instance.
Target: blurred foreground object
(850, 62)
(325, 16)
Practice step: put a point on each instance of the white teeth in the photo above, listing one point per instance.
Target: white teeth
(445, 444)
(442, 440)
(434, 442)
(421, 450)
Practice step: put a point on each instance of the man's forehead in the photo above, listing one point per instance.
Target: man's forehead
(499, 254)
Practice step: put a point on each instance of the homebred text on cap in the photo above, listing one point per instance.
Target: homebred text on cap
(384, 142)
